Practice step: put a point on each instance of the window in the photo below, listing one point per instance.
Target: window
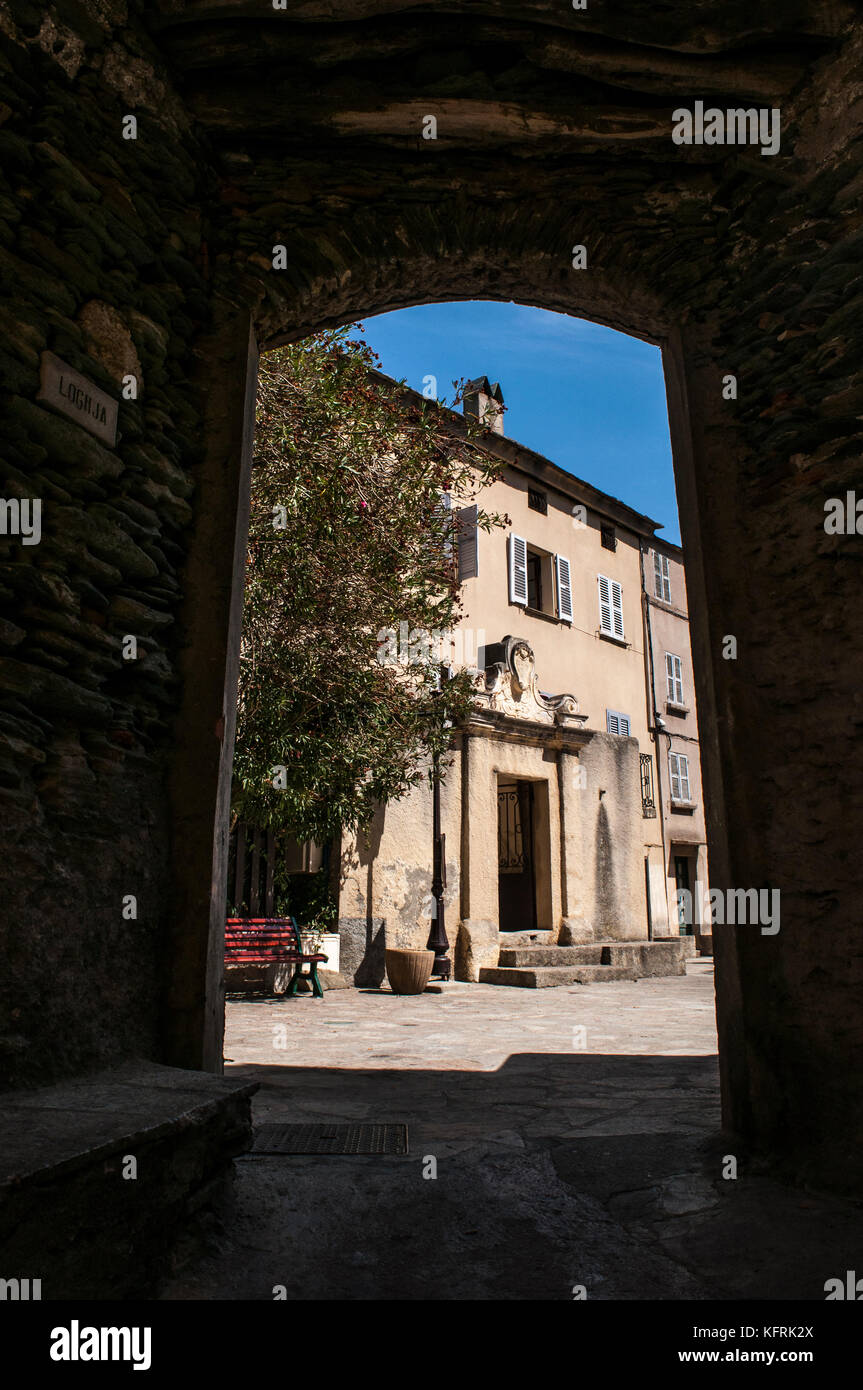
(661, 577)
(539, 581)
(608, 538)
(678, 766)
(610, 607)
(534, 580)
(648, 805)
(617, 723)
(674, 678)
(537, 501)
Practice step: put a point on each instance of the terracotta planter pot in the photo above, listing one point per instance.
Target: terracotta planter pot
(408, 971)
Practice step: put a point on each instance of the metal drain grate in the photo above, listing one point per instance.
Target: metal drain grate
(331, 1139)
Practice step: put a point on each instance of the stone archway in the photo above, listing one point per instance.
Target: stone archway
(553, 131)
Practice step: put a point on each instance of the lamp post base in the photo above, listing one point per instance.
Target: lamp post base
(442, 968)
(437, 942)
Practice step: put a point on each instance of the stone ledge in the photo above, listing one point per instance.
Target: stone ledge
(69, 1217)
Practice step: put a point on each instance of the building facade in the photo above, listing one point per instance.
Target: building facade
(681, 884)
(571, 805)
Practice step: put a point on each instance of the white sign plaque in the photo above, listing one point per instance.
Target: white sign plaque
(73, 395)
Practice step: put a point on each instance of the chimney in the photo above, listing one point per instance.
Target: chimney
(484, 401)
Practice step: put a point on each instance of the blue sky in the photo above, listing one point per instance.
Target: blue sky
(590, 399)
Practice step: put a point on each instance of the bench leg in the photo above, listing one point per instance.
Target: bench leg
(317, 987)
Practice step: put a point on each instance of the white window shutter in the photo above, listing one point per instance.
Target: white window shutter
(517, 570)
(468, 547)
(661, 577)
(683, 762)
(617, 605)
(564, 589)
(617, 723)
(673, 766)
(674, 678)
(605, 622)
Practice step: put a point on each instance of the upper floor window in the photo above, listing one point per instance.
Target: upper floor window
(608, 538)
(534, 580)
(610, 606)
(537, 501)
(661, 577)
(674, 678)
(617, 723)
(539, 581)
(678, 767)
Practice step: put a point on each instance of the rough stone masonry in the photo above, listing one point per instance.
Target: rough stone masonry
(145, 248)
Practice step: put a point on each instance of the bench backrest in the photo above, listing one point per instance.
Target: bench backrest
(270, 937)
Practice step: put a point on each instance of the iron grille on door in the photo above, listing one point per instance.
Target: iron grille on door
(510, 836)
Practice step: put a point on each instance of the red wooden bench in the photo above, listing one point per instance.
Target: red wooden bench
(268, 941)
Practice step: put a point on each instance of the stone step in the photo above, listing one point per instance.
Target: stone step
(551, 955)
(528, 938)
(544, 976)
(645, 957)
(538, 967)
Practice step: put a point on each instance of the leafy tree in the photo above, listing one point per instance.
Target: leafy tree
(349, 541)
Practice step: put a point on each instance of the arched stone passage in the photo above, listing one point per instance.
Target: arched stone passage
(306, 130)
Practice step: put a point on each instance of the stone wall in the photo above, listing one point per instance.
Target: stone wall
(302, 130)
(104, 263)
(611, 840)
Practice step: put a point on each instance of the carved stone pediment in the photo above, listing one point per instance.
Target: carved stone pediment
(511, 686)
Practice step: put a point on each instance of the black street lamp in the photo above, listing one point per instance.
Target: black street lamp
(437, 942)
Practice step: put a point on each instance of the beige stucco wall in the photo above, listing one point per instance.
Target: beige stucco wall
(609, 840)
(390, 876)
(684, 830)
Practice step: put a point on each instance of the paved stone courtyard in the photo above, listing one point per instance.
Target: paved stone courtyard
(576, 1139)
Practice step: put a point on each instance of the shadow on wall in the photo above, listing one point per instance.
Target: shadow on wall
(604, 870)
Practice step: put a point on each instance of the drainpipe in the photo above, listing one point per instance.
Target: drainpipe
(656, 728)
